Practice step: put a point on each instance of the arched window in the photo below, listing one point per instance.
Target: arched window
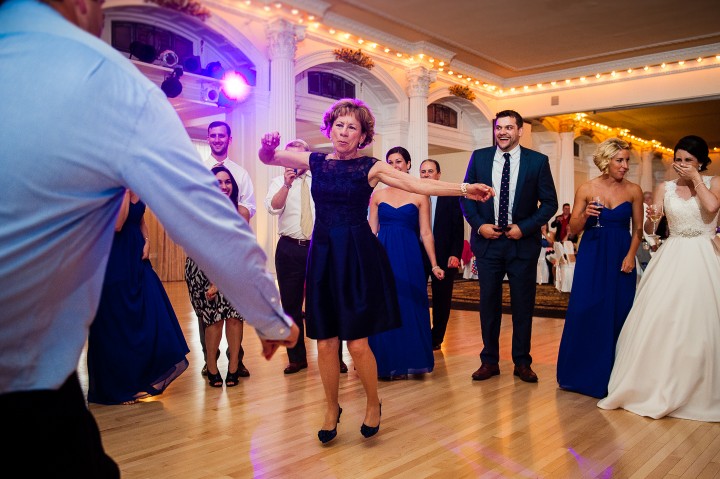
(125, 33)
(442, 115)
(330, 86)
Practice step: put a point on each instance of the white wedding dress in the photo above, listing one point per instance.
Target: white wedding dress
(667, 361)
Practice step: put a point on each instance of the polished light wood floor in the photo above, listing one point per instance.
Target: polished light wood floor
(442, 426)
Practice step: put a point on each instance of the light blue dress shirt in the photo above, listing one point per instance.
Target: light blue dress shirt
(79, 124)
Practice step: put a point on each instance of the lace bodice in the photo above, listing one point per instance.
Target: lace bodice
(340, 190)
(685, 217)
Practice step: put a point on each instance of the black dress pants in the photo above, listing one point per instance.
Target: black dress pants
(290, 264)
(51, 433)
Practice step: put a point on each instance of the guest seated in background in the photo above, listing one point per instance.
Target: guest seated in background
(604, 280)
(136, 347)
(561, 222)
(397, 216)
(668, 353)
(546, 242)
(215, 311)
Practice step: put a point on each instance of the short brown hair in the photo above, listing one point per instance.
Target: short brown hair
(356, 108)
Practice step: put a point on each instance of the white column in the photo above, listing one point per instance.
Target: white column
(419, 80)
(647, 182)
(566, 180)
(282, 37)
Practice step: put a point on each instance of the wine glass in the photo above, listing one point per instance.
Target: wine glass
(655, 214)
(598, 201)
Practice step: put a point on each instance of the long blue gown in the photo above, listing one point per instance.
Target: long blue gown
(136, 347)
(600, 300)
(408, 349)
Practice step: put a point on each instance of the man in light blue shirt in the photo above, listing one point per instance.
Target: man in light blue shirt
(79, 125)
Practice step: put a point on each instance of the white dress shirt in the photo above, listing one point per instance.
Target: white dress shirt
(497, 168)
(289, 215)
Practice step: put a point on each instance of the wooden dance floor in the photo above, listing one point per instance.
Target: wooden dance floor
(442, 426)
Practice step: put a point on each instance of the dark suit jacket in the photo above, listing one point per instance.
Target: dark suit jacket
(448, 231)
(535, 200)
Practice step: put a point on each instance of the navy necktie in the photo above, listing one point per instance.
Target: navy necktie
(504, 193)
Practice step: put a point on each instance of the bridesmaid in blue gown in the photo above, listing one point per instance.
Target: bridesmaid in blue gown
(604, 282)
(399, 218)
(350, 291)
(136, 347)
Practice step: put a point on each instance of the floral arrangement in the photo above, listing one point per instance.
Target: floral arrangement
(190, 7)
(462, 91)
(587, 132)
(356, 57)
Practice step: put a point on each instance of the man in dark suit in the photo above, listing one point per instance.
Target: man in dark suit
(449, 231)
(506, 238)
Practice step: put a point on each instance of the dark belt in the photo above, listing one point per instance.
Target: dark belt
(299, 242)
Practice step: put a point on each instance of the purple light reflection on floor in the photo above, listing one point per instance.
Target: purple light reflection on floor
(502, 462)
(586, 466)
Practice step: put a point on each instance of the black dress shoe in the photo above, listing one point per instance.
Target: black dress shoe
(436, 347)
(486, 371)
(293, 368)
(343, 367)
(242, 371)
(526, 374)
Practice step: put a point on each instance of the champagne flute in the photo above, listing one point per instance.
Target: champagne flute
(598, 202)
(655, 214)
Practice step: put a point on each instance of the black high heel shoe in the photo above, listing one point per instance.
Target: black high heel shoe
(327, 435)
(368, 431)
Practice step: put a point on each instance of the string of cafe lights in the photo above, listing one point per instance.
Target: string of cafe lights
(620, 132)
(443, 67)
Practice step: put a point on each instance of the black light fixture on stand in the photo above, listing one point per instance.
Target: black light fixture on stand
(143, 52)
(172, 86)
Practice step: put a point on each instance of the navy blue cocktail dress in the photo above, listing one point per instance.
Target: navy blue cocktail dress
(350, 289)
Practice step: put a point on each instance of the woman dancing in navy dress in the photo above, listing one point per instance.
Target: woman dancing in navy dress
(350, 286)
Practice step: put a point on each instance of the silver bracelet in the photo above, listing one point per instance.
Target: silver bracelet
(435, 267)
(287, 186)
(463, 189)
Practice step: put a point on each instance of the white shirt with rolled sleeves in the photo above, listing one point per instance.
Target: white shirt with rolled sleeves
(80, 124)
(289, 215)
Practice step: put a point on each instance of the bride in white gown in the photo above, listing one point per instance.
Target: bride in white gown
(667, 361)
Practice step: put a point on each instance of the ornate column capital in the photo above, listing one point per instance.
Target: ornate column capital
(419, 80)
(283, 37)
(566, 126)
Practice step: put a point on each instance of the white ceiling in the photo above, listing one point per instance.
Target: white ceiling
(511, 41)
